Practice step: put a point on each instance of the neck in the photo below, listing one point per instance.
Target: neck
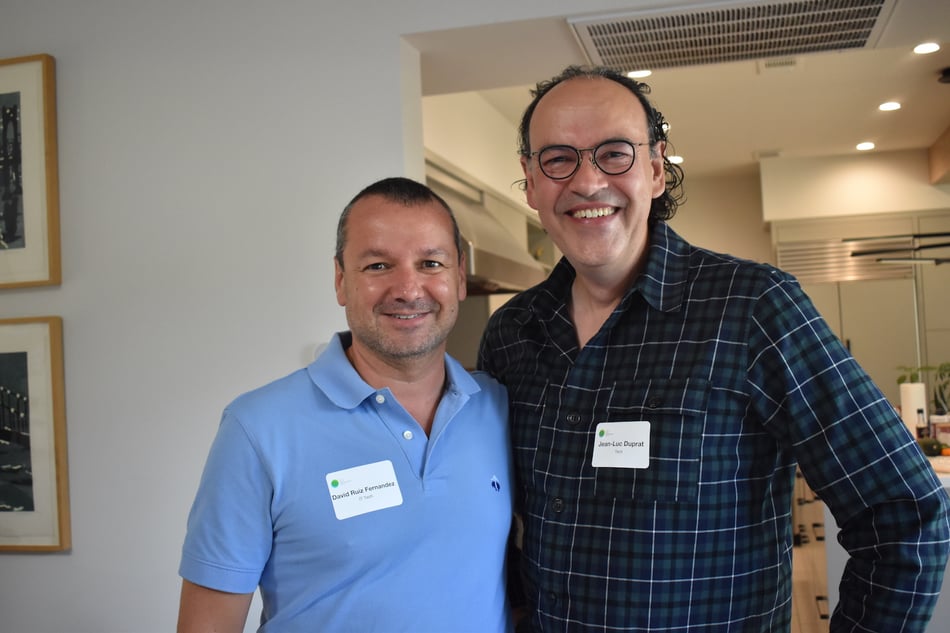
(416, 383)
(594, 295)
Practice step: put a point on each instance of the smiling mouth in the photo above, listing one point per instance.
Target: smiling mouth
(589, 214)
(399, 310)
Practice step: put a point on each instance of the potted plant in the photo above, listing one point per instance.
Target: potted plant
(912, 374)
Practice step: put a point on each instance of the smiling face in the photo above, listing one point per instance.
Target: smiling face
(401, 279)
(598, 221)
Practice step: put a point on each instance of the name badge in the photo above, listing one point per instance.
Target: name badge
(622, 445)
(363, 489)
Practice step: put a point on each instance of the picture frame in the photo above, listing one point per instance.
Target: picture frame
(34, 483)
(29, 173)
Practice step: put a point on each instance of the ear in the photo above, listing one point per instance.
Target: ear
(658, 173)
(463, 278)
(339, 283)
(529, 181)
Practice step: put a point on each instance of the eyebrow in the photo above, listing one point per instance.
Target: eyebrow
(376, 252)
(430, 252)
(614, 139)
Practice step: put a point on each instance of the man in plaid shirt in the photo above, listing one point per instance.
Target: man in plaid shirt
(662, 395)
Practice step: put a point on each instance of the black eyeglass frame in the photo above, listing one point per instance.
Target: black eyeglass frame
(593, 157)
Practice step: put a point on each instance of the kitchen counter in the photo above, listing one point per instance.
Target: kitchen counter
(942, 467)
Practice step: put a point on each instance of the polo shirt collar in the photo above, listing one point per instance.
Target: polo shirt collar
(333, 374)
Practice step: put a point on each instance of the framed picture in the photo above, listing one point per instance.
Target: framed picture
(29, 180)
(34, 489)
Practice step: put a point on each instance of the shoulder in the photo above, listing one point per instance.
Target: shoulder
(523, 300)
(673, 257)
(538, 300)
(512, 322)
(711, 271)
(280, 393)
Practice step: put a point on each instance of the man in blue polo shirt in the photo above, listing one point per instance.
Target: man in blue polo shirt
(370, 491)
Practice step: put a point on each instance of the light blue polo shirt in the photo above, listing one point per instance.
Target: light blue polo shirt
(329, 496)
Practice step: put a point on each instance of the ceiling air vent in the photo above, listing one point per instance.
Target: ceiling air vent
(725, 33)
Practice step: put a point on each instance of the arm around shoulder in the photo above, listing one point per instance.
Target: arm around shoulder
(205, 610)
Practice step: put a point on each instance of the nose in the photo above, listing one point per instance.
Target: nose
(407, 284)
(588, 179)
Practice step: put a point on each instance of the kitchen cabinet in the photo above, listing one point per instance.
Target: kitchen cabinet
(876, 320)
(935, 294)
(891, 315)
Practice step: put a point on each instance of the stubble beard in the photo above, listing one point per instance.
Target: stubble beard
(396, 347)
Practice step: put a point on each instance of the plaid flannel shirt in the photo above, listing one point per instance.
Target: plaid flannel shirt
(740, 379)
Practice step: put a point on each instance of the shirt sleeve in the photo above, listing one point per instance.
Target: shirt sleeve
(859, 458)
(230, 530)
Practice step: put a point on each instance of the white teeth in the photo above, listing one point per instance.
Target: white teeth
(594, 213)
(405, 316)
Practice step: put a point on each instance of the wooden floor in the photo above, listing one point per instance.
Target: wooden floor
(809, 572)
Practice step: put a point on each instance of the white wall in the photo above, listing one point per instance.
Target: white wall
(205, 151)
(830, 186)
(724, 214)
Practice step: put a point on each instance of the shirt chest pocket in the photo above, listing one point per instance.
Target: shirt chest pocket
(676, 411)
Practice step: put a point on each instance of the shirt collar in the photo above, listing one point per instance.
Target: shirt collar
(662, 282)
(333, 374)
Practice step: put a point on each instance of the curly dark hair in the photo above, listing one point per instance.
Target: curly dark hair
(663, 207)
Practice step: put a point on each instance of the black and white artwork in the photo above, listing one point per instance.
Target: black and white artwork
(34, 483)
(16, 473)
(29, 189)
(11, 173)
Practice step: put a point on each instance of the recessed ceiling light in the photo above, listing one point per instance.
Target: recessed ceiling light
(865, 146)
(639, 74)
(889, 106)
(927, 47)
(676, 160)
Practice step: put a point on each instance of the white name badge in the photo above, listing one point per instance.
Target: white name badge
(622, 445)
(363, 489)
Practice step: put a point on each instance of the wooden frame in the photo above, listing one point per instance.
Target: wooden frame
(34, 488)
(29, 177)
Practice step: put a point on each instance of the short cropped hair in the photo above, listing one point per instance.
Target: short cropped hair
(404, 191)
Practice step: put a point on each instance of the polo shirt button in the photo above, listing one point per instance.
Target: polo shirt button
(380, 398)
(407, 435)
(557, 505)
(573, 418)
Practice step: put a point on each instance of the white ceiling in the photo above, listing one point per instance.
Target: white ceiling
(724, 116)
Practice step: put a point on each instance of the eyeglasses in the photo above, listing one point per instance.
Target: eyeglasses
(558, 162)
